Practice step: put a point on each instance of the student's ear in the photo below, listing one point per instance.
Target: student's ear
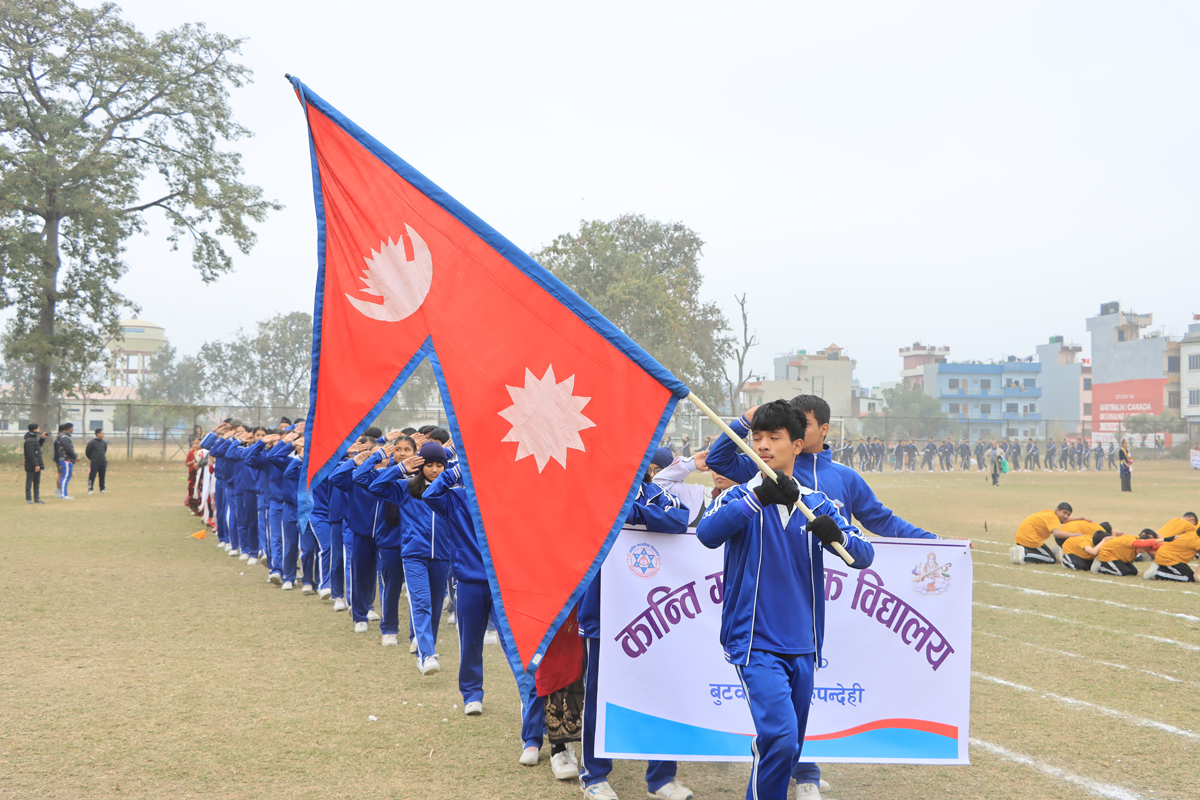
(797, 446)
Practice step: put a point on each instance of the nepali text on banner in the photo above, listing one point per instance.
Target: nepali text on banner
(893, 687)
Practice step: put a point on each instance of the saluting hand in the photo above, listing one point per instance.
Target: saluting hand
(412, 463)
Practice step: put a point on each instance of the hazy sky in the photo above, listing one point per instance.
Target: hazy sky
(977, 175)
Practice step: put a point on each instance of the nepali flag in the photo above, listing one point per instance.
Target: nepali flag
(553, 409)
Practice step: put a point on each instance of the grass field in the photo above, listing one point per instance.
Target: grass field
(139, 662)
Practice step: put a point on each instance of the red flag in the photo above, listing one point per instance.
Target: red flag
(553, 410)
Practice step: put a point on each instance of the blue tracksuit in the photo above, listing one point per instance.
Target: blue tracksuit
(448, 497)
(216, 447)
(385, 545)
(338, 553)
(424, 548)
(257, 485)
(321, 527)
(363, 515)
(659, 511)
(244, 510)
(773, 617)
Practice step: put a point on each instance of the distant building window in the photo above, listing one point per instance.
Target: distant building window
(1172, 399)
(1120, 336)
(954, 408)
(1010, 408)
(870, 406)
(985, 383)
(1033, 408)
(1194, 362)
(954, 383)
(985, 408)
(1087, 384)
(1087, 409)
(1012, 433)
(1172, 363)
(1194, 397)
(1031, 383)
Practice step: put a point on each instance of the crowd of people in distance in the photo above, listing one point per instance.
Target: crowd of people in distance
(392, 519)
(1078, 543)
(65, 458)
(907, 455)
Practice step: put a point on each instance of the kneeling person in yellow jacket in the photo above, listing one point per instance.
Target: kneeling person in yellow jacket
(1117, 554)
(1078, 552)
(1172, 557)
(1033, 533)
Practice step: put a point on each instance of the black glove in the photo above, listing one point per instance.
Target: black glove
(785, 492)
(825, 529)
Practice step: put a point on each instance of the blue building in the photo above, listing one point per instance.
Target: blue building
(990, 401)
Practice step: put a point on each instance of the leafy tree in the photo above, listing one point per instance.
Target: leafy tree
(89, 107)
(269, 369)
(643, 276)
(910, 414)
(179, 382)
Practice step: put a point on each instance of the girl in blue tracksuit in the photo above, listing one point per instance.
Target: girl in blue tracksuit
(662, 512)
(364, 514)
(773, 614)
(424, 547)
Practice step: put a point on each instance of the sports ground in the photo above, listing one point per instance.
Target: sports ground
(140, 662)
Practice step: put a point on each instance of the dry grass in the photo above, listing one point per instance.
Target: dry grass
(140, 662)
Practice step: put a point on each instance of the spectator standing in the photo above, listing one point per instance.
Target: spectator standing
(35, 440)
(97, 456)
(66, 457)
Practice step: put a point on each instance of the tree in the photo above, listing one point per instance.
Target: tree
(89, 107)
(643, 276)
(911, 414)
(270, 368)
(170, 381)
(740, 349)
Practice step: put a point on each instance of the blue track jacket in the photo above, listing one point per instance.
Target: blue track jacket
(364, 511)
(661, 512)
(448, 497)
(819, 472)
(774, 571)
(420, 534)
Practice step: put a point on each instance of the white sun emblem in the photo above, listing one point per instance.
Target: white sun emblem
(401, 283)
(545, 418)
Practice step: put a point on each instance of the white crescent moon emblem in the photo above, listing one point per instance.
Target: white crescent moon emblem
(402, 284)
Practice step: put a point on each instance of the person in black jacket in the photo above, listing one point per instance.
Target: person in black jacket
(34, 441)
(64, 454)
(97, 455)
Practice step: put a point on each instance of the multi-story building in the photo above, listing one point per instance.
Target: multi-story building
(999, 400)
(1189, 374)
(1132, 373)
(827, 373)
(917, 357)
(1066, 384)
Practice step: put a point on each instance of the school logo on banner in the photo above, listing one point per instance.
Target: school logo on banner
(930, 577)
(644, 560)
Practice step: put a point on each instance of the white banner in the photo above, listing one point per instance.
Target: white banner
(894, 685)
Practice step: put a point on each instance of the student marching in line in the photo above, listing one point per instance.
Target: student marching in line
(363, 516)
(662, 512)
(1119, 551)
(1032, 546)
(772, 617)
(1078, 552)
(1180, 545)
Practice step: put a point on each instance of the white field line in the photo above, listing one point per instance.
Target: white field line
(1183, 645)
(1039, 593)
(1071, 702)
(1087, 658)
(1072, 575)
(1094, 788)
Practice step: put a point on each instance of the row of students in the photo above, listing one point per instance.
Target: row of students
(870, 455)
(1055, 536)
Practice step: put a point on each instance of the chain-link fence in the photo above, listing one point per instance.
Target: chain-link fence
(164, 432)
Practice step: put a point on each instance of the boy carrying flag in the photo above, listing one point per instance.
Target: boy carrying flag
(773, 616)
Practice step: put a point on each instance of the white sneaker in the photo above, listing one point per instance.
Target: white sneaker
(677, 791)
(1057, 551)
(372, 615)
(1016, 554)
(287, 586)
(104, 491)
(412, 645)
(339, 604)
(276, 578)
(389, 640)
(599, 791)
(474, 709)
(243, 557)
(308, 589)
(324, 594)
(222, 545)
(234, 552)
(430, 666)
(90, 491)
(529, 758)
(251, 562)
(1096, 566)
(227, 546)
(808, 791)
(68, 497)
(1149, 574)
(452, 619)
(360, 627)
(491, 637)
(824, 786)
(563, 764)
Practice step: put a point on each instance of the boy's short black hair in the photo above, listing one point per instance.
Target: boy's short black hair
(779, 415)
(33, 426)
(227, 420)
(439, 435)
(235, 423)
(1098, 537)
(373, 432)
(1147, 533)
(1191, 514)
(805, 403)
(425, 429)
(409, 431)
(99, 430)
(1065, 507)
(1106, 526)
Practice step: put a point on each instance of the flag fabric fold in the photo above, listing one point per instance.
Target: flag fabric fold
(553, 410)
